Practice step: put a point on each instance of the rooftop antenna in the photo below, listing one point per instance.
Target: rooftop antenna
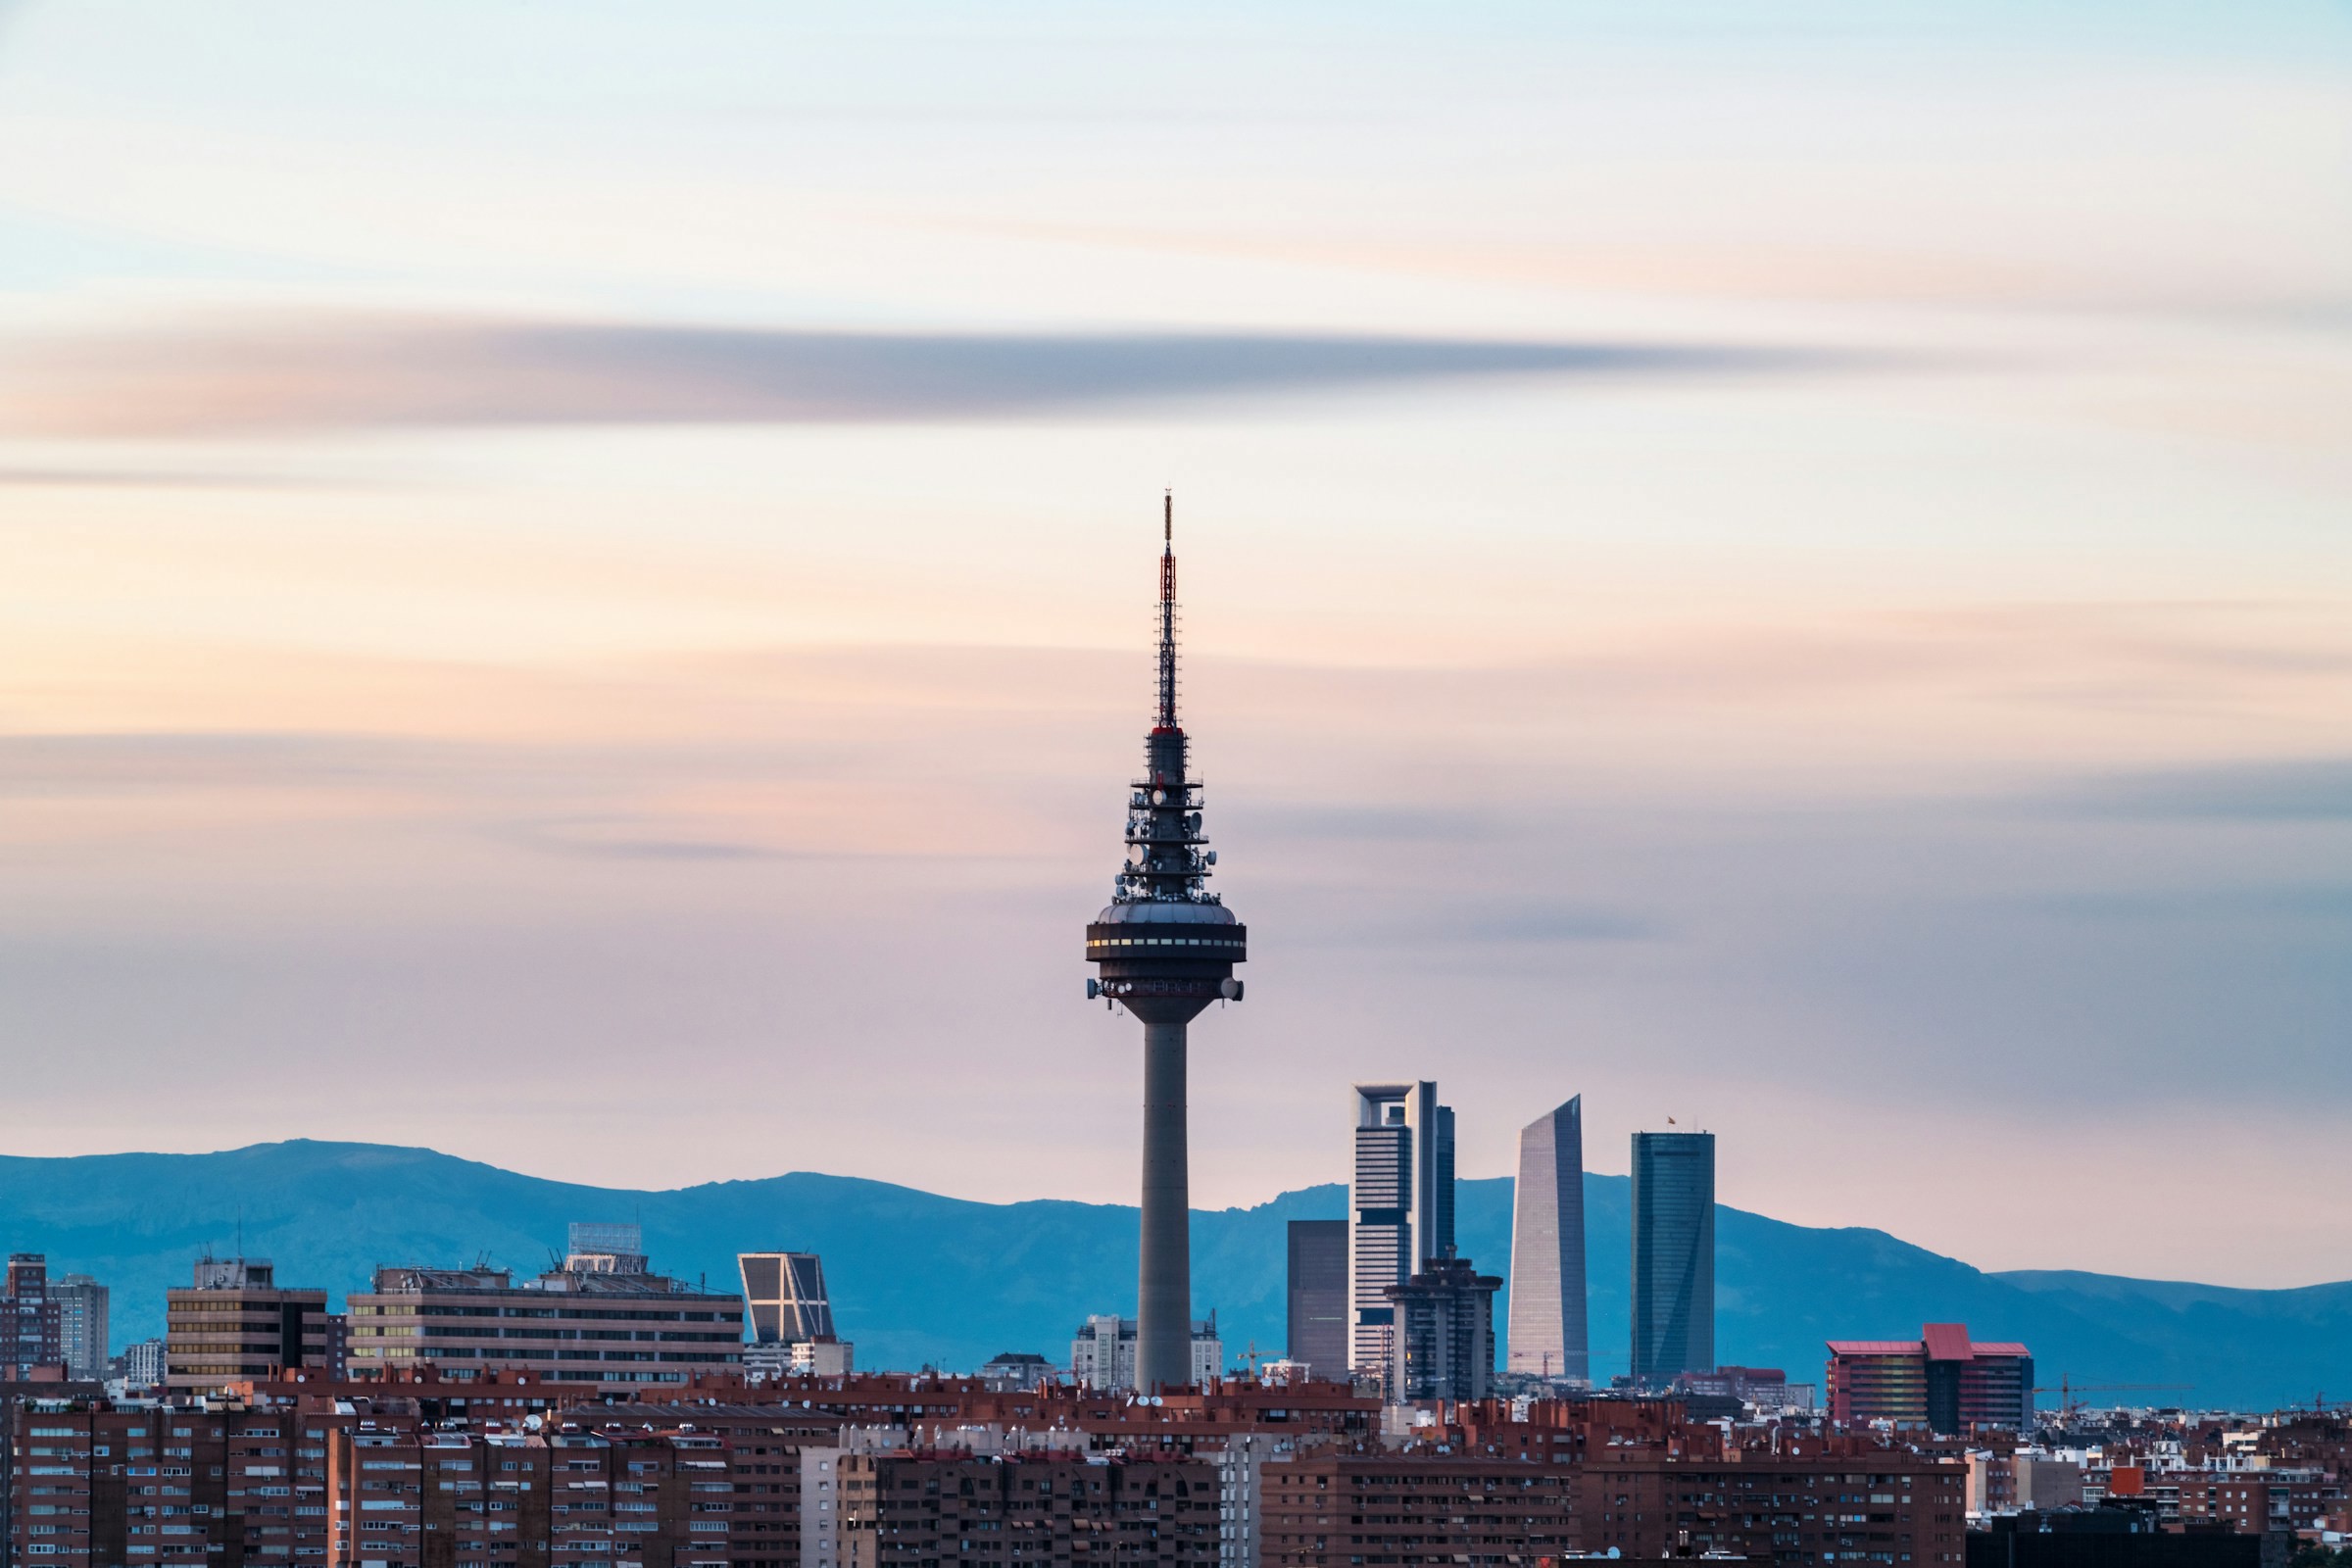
(1167, 611)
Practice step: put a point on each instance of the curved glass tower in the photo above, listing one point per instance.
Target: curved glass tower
(1548, 1248)
(1164, 948)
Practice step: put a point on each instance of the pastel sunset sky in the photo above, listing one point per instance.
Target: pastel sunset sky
(578, 578)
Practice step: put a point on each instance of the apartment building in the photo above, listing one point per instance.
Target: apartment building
(93, 1485)
(908, 1508)
(1862, 1505)
(31, 1324)
(407, 1497)
(2251, 1500)
(83, 1327)
(1346, 1508)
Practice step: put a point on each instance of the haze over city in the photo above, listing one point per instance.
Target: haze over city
(1783, 569)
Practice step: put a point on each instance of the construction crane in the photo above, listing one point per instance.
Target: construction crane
(2068, 1388)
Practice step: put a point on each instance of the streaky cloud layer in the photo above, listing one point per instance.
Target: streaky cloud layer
(291, 372)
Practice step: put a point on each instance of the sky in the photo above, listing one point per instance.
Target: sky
(578, 584)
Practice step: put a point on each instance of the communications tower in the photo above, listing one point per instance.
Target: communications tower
(1164, 948)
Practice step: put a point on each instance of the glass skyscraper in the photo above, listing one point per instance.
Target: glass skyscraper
(1548, 1248)
(1319, 1296)
(1399, 1207)
(784, 1297)
(1674, 1256)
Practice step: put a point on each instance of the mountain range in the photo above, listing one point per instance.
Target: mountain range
(917, 1278)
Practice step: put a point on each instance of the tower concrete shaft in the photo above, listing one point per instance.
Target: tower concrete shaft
(1163, 1318)
(1164, 949)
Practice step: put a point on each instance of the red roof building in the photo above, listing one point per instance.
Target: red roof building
(1942, 1381)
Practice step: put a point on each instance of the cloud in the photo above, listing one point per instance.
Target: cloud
(316, 372)
(62, 478)
(2231, 905)
(1547, 922)
(1403, 917)
(2300, 790)
(1378, 823)
(37, 766)
(635, 837)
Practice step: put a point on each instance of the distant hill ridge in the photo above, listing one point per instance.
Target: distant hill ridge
(919, 1278)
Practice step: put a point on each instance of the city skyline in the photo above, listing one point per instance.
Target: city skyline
(1742, 563)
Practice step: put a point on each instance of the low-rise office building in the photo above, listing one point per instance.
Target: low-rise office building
(1942, 1381)
(236, 1323)
(605, 1329)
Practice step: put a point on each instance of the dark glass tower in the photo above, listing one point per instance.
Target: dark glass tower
(1164, 948)
(1319, 1296)
(1674, 1256)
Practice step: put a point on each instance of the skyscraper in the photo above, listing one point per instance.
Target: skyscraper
(1319, 1296)
(1166, 948)
(784, 1297)
(1399, 1206)
(789, 1316)
(1548, 1248)
(1674, 1256)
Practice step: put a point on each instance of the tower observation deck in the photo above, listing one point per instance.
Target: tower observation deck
(1164, 948)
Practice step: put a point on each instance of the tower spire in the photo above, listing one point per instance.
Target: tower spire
(1168, 611)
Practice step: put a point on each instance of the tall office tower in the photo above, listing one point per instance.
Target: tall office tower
(235, 1323)
(1165, 948)
(1441, 1207)
(82, 1326)
(1399, 1205)
(1674, 1256)
(1548, 1248)
(1319, 1296)
(1443, 1347)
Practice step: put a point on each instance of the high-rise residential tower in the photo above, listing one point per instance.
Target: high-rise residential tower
(1443, 1344)
(1674, 1256)
(1164, 948)
(82, 1326)
(1548, 1248)
(1399, 1208)
(29, 1317)
(1319, 1296)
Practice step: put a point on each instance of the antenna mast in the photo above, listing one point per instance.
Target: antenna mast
(1168, 613)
